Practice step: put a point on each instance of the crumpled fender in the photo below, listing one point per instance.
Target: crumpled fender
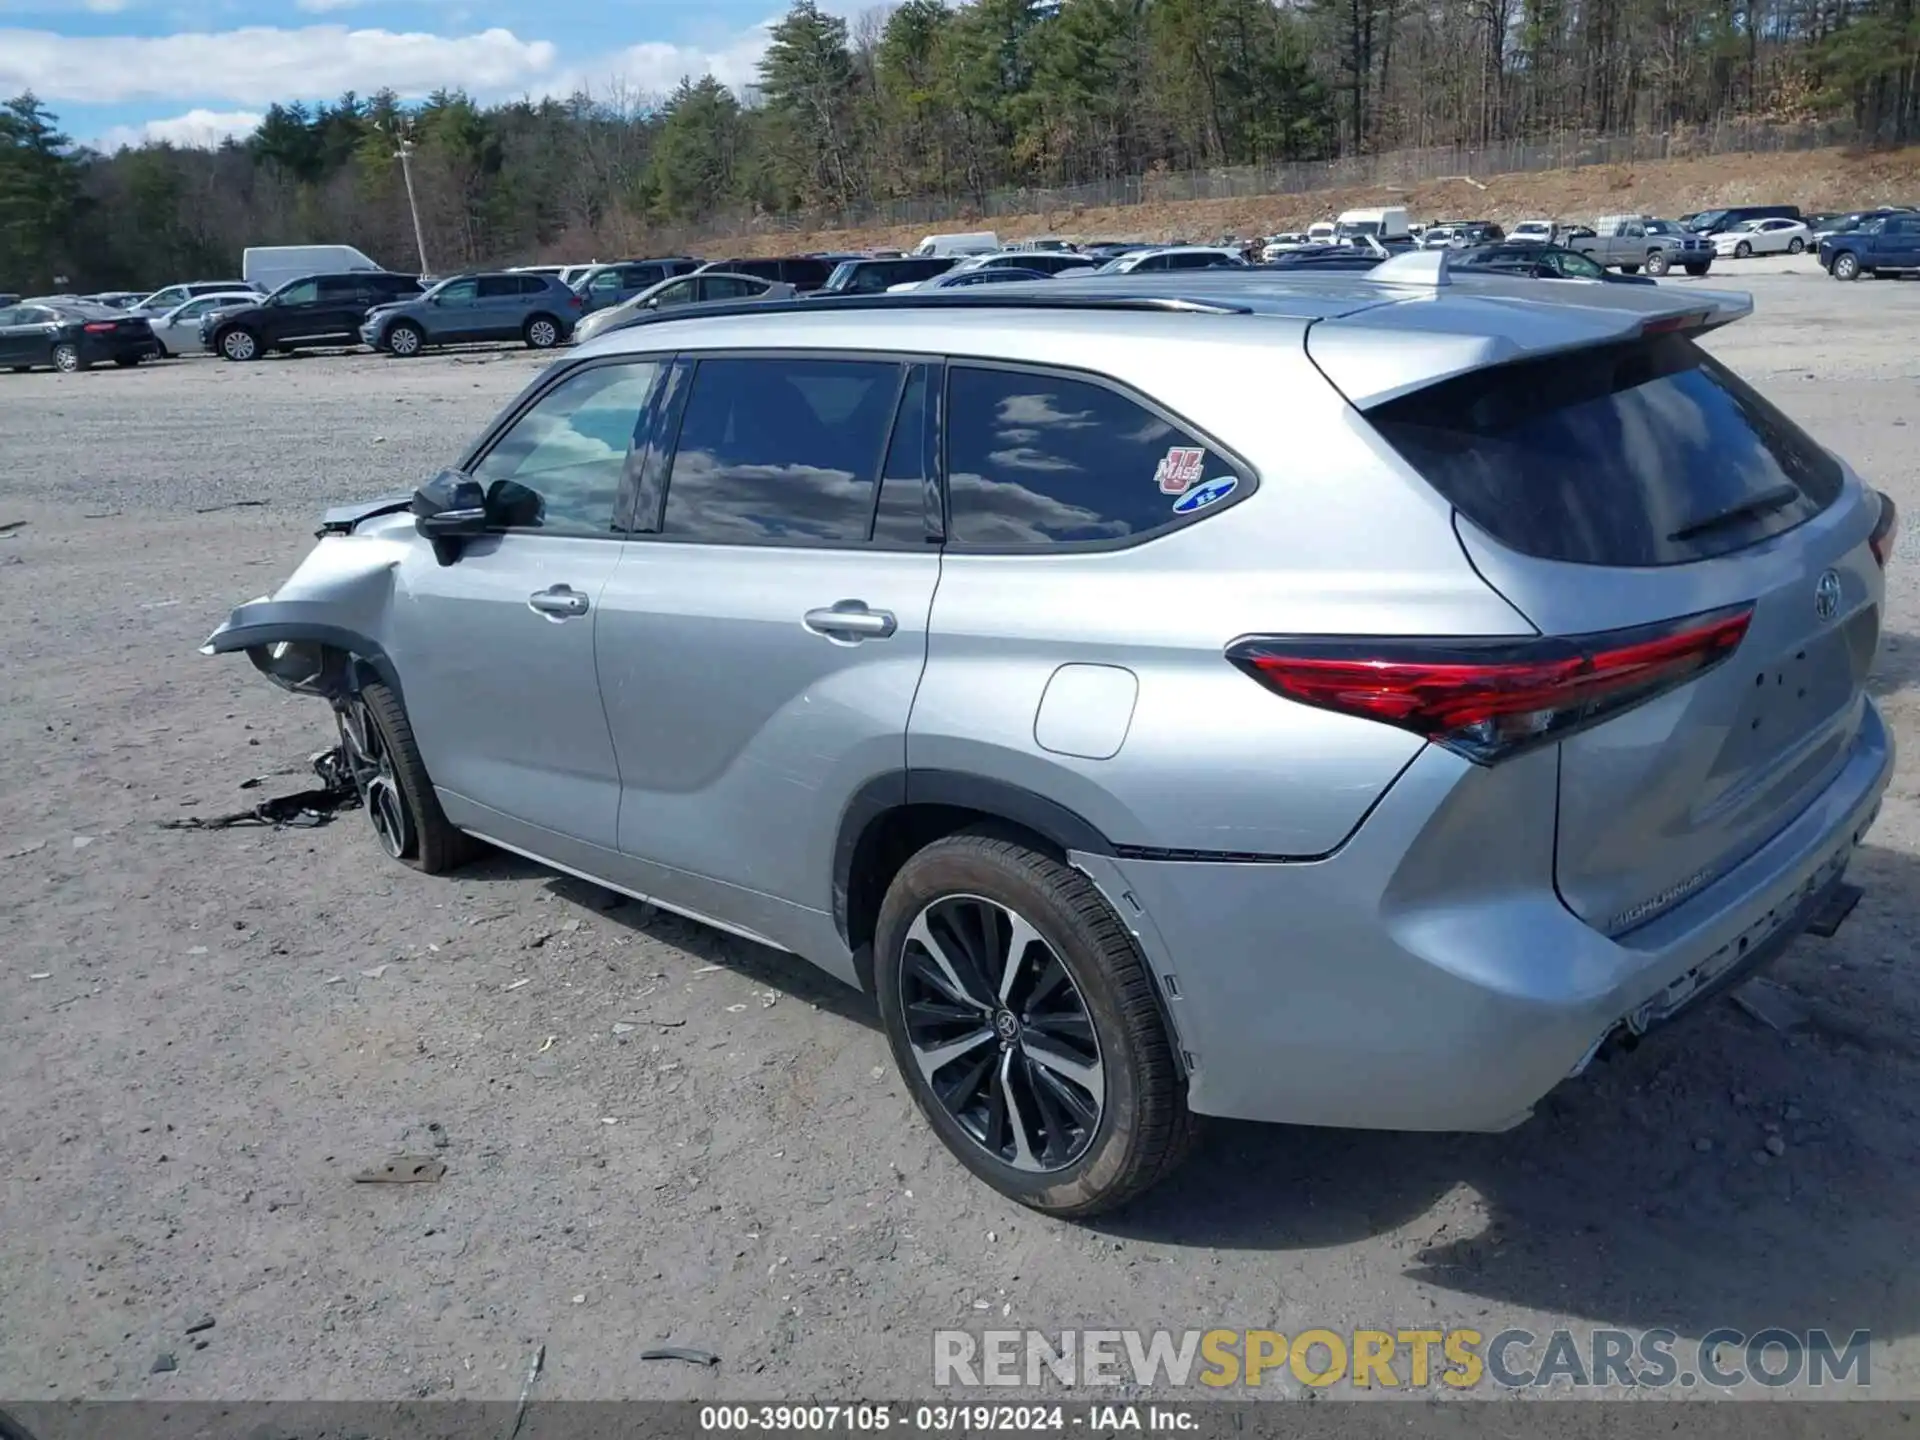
(336, 601)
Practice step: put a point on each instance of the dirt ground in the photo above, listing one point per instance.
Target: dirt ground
(1812, 179)
(657, 1133)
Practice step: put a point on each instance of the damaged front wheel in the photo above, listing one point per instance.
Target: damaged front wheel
(393, 784)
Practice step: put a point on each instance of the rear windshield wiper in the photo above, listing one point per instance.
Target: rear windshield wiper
(1775, 499)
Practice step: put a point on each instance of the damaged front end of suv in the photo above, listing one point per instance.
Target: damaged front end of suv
(323, 634)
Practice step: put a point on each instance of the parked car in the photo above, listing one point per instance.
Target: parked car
(954, 245)
(172, 297)
(806, 273)
(1633, 241)
(873, 276)
(957, 279)
(1173, 257)
(1387, 224)
(71, 336)
(700, 288)
(605, 285)
(537, 310)
(1535, 232)
(1882, 245)
(314, 310)
(1851, 220)
(1287, 242)
(1712, 222)
(1532, 258)
(1388, 803)
(112, 299)
(1047, 262)
(1776, 236)
(178, 329)
(1104, 250)
(1436, 236)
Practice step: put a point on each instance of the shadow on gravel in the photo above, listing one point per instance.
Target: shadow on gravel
(1897, 667)
(1643, 1193)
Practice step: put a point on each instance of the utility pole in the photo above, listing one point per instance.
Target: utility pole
(403, 152)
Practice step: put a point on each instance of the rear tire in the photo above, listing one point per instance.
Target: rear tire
(394, 788)
(1103, 1116)
(1629, 269)
(1796, 246)
(541, 332)
(405, 339)
(127, 362)
(1697, 270)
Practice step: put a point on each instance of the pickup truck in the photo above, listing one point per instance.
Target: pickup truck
(1877, 245)
(1630, 241)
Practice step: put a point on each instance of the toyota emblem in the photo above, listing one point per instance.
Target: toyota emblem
(1826, 595)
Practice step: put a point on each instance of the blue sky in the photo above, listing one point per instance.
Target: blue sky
(192, 71)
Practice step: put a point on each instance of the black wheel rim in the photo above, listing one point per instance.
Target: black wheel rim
(372, 769)
(1001, 1034)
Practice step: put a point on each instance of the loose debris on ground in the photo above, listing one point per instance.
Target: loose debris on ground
(303, 810)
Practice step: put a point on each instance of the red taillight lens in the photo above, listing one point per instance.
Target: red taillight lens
(575, 301)
(99, 327)
(1493, 698)
(1886, 530)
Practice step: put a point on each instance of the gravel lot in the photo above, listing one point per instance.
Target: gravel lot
(206, 1034)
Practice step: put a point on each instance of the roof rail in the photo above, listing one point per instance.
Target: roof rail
(938, 300)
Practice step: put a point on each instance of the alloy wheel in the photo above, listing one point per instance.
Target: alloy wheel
(372, 769)
(238, 345)
(66, 358)
(404, 340)
(542, 335)
(1001, 1034)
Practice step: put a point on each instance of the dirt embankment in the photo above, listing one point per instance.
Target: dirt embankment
(1812, 179)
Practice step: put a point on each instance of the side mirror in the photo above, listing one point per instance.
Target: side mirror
(448, 509)
(654, 304)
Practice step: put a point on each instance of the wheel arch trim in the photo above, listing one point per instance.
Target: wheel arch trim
(250, 634)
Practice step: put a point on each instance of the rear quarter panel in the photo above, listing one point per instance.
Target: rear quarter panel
(1333, 541)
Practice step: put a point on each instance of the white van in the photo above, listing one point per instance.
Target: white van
(1387, 224)
(1321, 232)
(976, 242)
(268, 267)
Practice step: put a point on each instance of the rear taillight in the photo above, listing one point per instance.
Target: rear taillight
(100, 327)
(575, 301)
(1493, 698)
(1886, 530)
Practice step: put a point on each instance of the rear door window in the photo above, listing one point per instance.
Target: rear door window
(1041, 459)
(1648, 452)
(781, 450)
(500, 287)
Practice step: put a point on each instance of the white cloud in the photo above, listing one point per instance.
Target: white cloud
(657, 68)
(195, 130)
(261, 64)
(322, 7)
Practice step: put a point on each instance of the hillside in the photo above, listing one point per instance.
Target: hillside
(1812, 179)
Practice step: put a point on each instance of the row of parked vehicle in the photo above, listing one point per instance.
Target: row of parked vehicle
(544, 306)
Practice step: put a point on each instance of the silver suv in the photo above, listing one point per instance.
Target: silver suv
(1350, 701)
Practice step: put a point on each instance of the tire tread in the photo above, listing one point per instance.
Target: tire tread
(441, 847)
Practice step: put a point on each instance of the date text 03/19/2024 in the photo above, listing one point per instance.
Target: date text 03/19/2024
(940, 1419)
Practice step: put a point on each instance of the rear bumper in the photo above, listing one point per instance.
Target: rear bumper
(1390, 987)
(97, 349)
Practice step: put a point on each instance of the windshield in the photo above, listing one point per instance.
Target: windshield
(1706, 220)
(1349, 229)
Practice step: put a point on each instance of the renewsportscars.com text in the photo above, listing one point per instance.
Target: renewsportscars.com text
(1413, 1359)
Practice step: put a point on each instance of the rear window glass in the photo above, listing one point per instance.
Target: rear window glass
(1648, 452)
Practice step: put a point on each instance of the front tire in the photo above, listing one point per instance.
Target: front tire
(1742, 251)
(1023, 1020)
(66, 359)
(393, 785)
(1658, 263)
(542, 332)
(239, 345)
(405, 339)
(1697, 270)
(1846, 266)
